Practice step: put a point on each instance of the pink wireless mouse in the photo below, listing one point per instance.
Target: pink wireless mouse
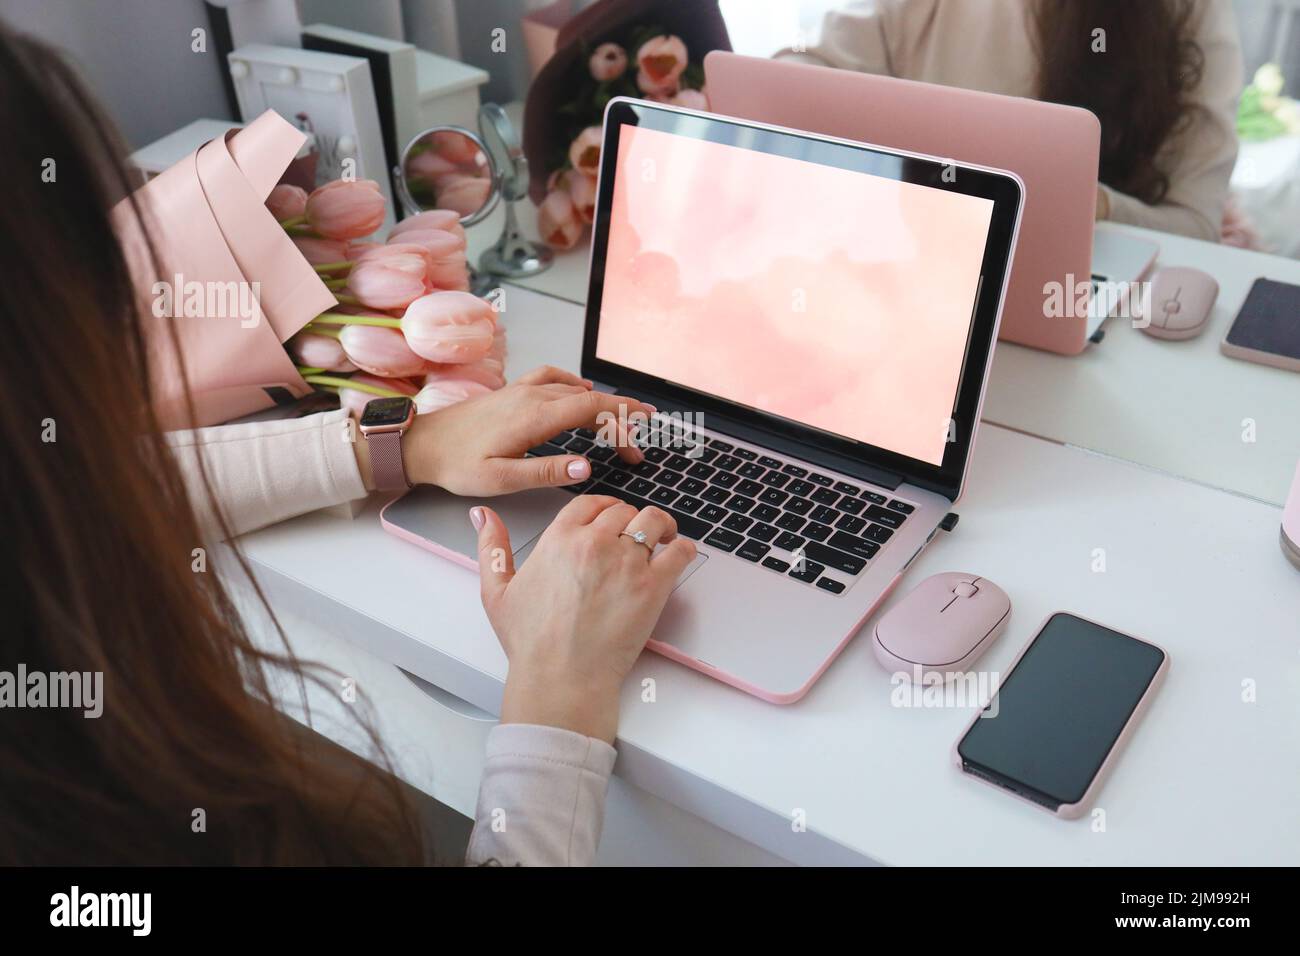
(1291, 522)
(1181, 300)
(943, 625)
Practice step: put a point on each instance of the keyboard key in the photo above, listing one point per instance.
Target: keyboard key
(800, 506)
(859, 547)
(766, 513)
(724, 479)
(851, 523)
(602, 453)
(795, 470)
(740, 503)
(874, 498)
(801, 488)
(664, 496)
(723, 539)
(689, 505)
(844, 488)
(655, 455)
(546, 449)
(809, 573)
(824, 515)
(818, 479)
(703, 454)
(711, 513)
(768, 461)
(578, 446)
(830, 584)
(790, 522)
(825, 496)
(773, 496)
(622, 494)
(639, 486)
(586, 433)
(902, 506)
(763, 532)
(878, 533)
(834, 558)
(618, 477)
(715, 494)
(719, 444)
(776, 564)
(752, 550)
(690, 486)
(737, 522)
(750, 470)
(666, 477)
(751, 489)
(700, 470)
(890, 519)
(850, 506)
(775, 479)
(744, 453)
(726, 462)
(645, 469)
(688, 526)
(789, 542)
(678, 463)
(817, 532)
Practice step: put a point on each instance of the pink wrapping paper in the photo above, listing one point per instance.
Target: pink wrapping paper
(208, 224)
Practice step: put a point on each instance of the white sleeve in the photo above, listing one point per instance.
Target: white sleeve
(264, 472)
(542, 798)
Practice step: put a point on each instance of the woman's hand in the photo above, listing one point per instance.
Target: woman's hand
(577, 615)
(476, 447)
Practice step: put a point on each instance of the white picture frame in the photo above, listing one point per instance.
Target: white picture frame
(329, 94)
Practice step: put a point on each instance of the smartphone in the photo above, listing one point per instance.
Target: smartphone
(1062, 713)
(1267, 329)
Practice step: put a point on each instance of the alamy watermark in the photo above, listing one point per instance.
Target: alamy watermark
(76, 690)
(207, 300)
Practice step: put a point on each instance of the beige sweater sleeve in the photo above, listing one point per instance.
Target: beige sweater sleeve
(264, 472)
(542, 798)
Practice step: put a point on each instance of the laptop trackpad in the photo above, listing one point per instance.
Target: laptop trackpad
(442, 518)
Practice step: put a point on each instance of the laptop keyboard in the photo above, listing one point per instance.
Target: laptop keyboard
(758, 507)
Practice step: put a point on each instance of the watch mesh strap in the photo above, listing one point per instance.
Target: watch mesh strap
(386, 461)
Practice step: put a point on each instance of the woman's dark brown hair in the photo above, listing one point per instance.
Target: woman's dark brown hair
(1140, 87)
(98, 567)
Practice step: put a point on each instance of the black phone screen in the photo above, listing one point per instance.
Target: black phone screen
(1060, 710)
(1269, 320)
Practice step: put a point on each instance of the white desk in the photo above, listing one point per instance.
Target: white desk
(1209, 779)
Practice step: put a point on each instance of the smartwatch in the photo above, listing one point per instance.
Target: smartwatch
(382, 423)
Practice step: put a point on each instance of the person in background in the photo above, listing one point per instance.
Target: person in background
(1162, 76)
(102, 513)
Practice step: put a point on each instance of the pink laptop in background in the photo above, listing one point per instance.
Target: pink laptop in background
(1053, 149)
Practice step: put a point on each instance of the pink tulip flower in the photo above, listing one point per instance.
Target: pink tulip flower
(319, 351)
(463, 194)
(346, 210)
(430, 165)
(582, 190)
(584, 152)
(393, 249)
(448, 268)
(319, 252)
(655, 92)
(558, 220)
(449, 327)
(378, 285)
(356, 250)
(498, 349)
(446, 392)
(662, 61)
(608, 62)
(287, 202)
(444, 220)
(380, 351)
(487, 371)
(691, 100)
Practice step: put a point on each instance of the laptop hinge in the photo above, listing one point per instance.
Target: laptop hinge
(771, 438)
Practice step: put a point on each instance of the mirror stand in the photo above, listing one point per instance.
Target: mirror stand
(515, 256)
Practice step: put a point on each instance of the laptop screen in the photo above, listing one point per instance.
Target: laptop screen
(838, 298)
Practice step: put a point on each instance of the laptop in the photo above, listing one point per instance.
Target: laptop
(814, 320)
(1054, 149)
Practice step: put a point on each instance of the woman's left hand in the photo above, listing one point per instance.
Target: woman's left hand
(476, 447)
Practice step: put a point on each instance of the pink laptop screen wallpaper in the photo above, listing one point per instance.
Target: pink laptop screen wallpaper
(829, 297)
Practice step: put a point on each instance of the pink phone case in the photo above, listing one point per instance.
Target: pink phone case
(1072, 811)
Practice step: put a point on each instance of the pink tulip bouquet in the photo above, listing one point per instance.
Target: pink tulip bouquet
(649, 65)
(405, 323)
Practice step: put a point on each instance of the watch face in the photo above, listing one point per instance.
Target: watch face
(386, 411)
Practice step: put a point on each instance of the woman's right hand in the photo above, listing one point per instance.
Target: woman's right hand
(575, 618)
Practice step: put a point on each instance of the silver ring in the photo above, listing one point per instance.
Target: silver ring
(640, 537)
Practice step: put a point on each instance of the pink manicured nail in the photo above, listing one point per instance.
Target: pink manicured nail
(578, 468)
(476, 518)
